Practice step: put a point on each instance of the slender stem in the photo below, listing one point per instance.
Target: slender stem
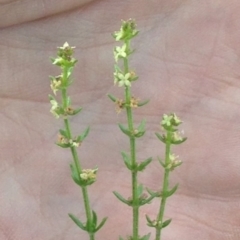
(77, 163)
(133, 153)
(165, 187)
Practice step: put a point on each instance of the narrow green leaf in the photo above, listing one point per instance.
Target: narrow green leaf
(146, 237)
(160, 137)
(139, 134)
(68, 101)
(141, 126)
(179, 142)
(125, 130)
(140, 104)
(76, 111)
(51, 97)
(127, 160)
(69, 72)
(94, 219)
(63, 133)
(161, 162)
(74, 174)
(148, 219)
(166, 223)
(117, 68)
(140, 129)
(63, 145)
(170, 192)
(143, 164)
(112, 97)
(152, 193)
(101, 224)
(120, 238)
(77, 221)
(85, 133)
(121, 198)
(147, 201)
(140, 190)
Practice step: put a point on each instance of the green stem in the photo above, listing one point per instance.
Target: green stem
(165, 187)
(77, 163)
(135, 206)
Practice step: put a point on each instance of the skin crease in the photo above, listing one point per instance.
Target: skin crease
(187, 57)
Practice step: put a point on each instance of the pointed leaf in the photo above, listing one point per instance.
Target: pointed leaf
(147, 201)
(166, 223)
(121, 198)
(140, 104)
(127, 160)
(76, 111)
(160, 137)
(143, 164)
(63, 133)
(117, 68)
(153, 194)
(141, 127)
(145, 237)
(77, 221)
(101, 224)
(69, 71)
(125, 130)
(68, 101)
(179, 142)
(63, 145)
(94, 219)
(140, 190)
(85, 133)
(161, 162)
(171, 192)
(74, 174)
(139, 134)
(148, 219)
(51, 97)
(112, 97)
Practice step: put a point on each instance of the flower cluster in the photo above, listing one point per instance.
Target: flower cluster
(169, 124)
(88, 175)
(61, 82)
(127, 31)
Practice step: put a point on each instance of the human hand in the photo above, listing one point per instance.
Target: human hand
(187, 60)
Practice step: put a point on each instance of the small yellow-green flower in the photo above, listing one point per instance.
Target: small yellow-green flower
(55, 84)
(166, 120)
(174, 162)
(120, 52)
(88, 174)
(124, 80)
(55, 107)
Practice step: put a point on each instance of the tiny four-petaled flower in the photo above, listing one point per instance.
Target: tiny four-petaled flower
(120, 52)
(124, 80)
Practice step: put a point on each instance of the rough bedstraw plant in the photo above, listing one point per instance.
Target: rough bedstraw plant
(123, 77)
(63, 109)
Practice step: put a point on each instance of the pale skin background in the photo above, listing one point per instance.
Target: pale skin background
(188, 60)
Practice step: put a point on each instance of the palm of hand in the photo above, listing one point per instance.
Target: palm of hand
(187, 62)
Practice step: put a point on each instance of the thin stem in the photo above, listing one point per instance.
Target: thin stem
(165, 187)
(133, 153)
(77, 163)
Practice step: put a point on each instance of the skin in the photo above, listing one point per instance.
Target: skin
(187, 58)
